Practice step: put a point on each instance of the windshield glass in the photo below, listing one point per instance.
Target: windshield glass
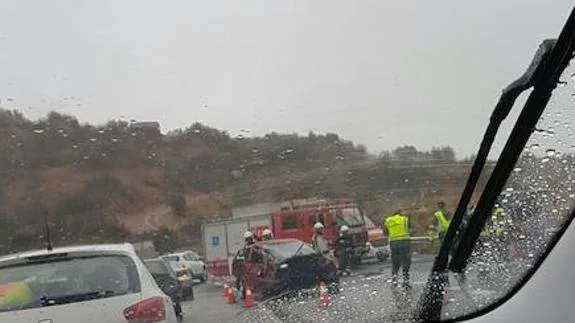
(286, 250)
(157, 267)
(193, 130)
(24, 286)
(348, 216)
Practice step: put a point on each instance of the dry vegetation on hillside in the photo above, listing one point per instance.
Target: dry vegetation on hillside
(105, 183)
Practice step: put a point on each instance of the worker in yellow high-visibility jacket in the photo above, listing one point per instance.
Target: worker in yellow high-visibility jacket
(397, 229)
(441, 220)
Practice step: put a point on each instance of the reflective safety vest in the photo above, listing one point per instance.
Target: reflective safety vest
(397, 227)
(442, 222)
(494, 226)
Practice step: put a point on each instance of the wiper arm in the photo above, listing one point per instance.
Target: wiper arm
(500, 112)
(543, 73)
(72, 298)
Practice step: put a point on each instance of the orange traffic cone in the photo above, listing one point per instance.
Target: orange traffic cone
(226, 290)
(324, 295)
(229, 295)
(249, 300)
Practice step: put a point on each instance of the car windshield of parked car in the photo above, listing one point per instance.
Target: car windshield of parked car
(285, 250)
(188, 128)
(25, 286)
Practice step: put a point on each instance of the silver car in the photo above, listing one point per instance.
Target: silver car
(105, 283)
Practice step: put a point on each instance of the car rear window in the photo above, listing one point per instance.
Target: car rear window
(171, 258)
(157, 267)
(30, 284)
(190, 257)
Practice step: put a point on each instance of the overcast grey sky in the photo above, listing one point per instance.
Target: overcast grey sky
(381, 73)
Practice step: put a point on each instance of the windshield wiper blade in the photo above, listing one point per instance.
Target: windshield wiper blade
(72, 298)
(500, 112)
(543, 74)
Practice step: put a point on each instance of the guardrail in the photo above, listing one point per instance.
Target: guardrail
(419, 239)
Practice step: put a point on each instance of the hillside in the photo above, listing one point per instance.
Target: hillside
(117, 181)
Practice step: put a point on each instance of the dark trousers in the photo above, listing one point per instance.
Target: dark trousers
(400, 258)
(441, 236)
(343, 259)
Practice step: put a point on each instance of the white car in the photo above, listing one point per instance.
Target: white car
(96, 283)
(377, 250)
(378, 245)
(188, 260)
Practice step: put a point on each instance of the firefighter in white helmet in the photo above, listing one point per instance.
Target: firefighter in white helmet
(249, 240)
(267, 234)
(318, 242)
(344, 246)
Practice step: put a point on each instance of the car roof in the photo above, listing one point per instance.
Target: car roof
(180, 253)
(120, 248)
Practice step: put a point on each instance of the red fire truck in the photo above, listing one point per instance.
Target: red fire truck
(297, 221)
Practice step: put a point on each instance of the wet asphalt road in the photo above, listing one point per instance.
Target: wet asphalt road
(367, 285)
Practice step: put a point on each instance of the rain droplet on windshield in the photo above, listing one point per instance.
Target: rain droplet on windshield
(550, 152)
(535, 146)
(39, 131)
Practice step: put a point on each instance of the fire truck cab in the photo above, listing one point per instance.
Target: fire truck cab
(297, 221)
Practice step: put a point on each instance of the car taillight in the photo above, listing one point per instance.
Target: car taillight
(147, 311)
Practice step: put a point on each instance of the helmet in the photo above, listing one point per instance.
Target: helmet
(318, 225)
(248, 235)
(344, 228)
(266, 232)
